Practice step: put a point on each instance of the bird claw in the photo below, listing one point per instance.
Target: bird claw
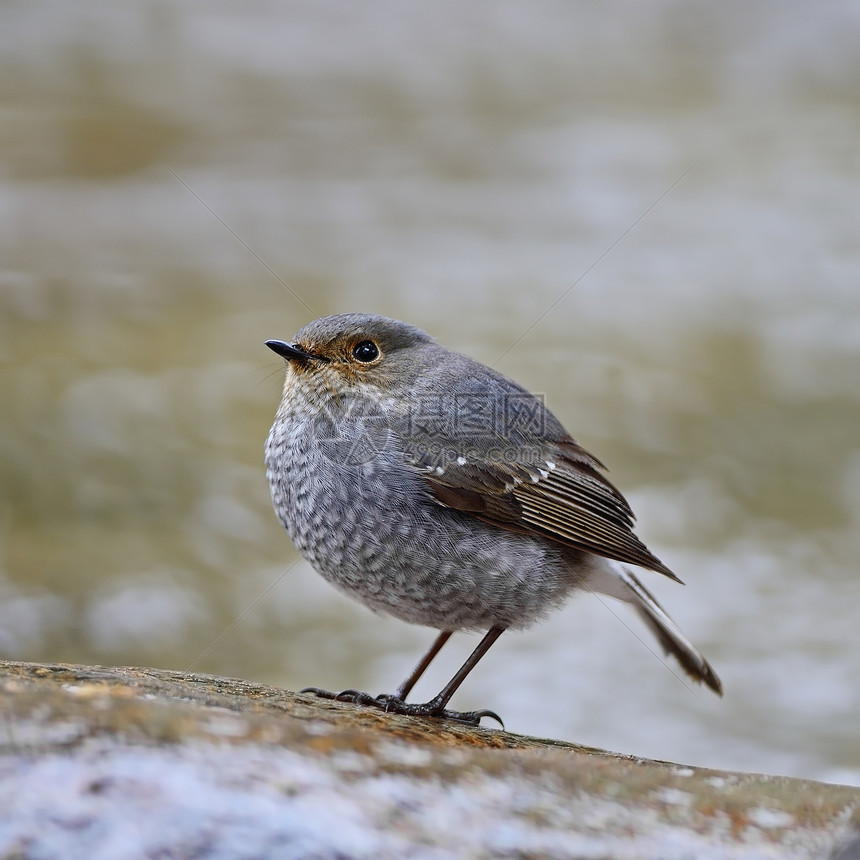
(355, 697)
(469, 718)
(392, 705)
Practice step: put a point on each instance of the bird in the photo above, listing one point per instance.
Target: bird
(432, 488)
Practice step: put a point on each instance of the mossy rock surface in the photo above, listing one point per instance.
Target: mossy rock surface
(131, 762)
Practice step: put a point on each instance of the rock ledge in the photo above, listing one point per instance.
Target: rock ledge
(131, 762)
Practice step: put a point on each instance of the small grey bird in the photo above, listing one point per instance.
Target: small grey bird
(429, 486)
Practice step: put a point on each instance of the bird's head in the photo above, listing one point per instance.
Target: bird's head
(350, 352)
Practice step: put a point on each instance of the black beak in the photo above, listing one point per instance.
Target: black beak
(291, 352)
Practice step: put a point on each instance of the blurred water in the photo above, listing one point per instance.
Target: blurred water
(647, 212)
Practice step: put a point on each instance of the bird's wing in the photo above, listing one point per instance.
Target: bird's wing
(554, 489)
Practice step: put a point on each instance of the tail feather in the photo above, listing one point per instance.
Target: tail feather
(620, 582)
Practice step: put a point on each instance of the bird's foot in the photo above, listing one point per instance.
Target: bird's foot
(392, 705)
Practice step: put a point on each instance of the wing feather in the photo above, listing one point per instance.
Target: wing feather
(560, 495)
(475, 455)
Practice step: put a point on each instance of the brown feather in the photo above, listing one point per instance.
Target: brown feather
(572, 503)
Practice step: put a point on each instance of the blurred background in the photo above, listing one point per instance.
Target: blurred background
(650, 213)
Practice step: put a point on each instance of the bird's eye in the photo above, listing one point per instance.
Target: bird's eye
(365, 351)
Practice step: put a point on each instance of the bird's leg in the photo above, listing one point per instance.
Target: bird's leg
(400, 694)
(435, 707)
(406, 687)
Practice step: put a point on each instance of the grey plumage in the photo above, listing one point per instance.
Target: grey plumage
(433, 488)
